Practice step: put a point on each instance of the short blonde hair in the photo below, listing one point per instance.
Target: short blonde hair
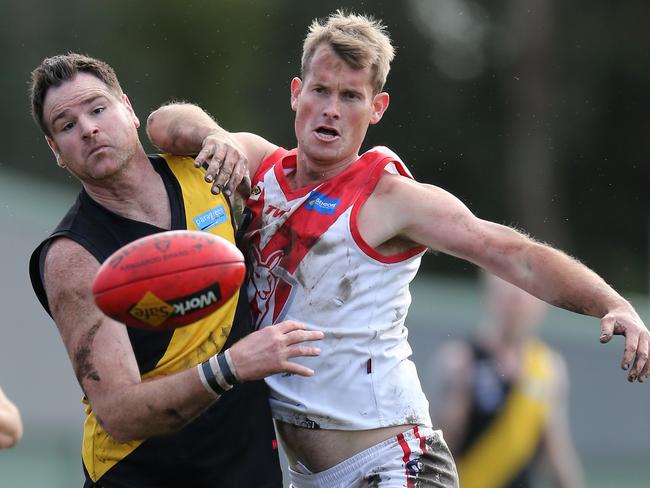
(358, 40)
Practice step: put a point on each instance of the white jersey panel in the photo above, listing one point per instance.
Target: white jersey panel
(363, 377)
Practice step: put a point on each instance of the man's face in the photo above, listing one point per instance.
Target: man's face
(334, 105)
(93, 133)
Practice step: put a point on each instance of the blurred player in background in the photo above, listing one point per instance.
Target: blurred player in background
(335, 238)
(164, 408)
(501, 398)
(11, 426)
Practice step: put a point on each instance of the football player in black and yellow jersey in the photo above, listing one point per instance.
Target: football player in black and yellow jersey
(504, 406)
(164, 409)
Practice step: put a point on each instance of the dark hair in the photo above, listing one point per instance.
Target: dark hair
(55, 70)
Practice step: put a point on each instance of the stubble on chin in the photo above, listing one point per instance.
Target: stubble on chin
(111, 164)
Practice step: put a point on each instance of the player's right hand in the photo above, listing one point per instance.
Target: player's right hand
(267, 351)
(225, 164)
(637, 341)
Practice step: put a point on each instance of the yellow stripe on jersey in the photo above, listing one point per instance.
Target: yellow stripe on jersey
(195, 343)
(505, 447)
(189, 345)
(100, 452)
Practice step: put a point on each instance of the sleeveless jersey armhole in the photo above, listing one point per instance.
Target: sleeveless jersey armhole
(376, 171)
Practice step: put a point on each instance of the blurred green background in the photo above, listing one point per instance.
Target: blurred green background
(533, 112)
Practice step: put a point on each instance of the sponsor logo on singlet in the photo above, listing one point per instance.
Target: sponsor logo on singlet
(211, 218)
(321, 203)
(274, 211)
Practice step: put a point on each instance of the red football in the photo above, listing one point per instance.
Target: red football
(168, 280)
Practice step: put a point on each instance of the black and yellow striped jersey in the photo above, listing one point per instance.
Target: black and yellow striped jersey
(233, 443)
(507, 420)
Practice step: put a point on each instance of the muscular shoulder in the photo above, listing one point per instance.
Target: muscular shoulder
(255, 148)
(391, 185)
(381, 217)
(406, 193)
(68, 273)
(400, 206)
(65, 255)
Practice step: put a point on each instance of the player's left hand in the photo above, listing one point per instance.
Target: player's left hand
(637, 341)
(226, 166)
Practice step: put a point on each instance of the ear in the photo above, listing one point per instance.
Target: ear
(380, 103)
(129, 108)
(296, 88)
(55, 151)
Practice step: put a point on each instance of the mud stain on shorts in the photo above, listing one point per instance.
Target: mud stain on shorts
(438, 469)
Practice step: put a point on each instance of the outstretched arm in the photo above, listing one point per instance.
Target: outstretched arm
(229, 158)
(428, 215)
(104, 362)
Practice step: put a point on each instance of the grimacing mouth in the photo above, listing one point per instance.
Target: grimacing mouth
(329, 131)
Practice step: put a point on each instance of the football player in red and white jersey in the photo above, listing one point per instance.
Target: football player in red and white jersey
(337, 250)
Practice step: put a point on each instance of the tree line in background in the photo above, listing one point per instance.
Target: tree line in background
(530, 111)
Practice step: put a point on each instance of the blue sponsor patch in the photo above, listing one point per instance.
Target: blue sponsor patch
(321, 203)
(211, 218)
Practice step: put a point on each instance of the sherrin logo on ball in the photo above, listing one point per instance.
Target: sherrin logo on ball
(168, 280)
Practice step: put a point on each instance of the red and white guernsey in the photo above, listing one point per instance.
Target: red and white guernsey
(309, 264)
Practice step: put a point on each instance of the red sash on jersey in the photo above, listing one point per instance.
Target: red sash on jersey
(296, 236)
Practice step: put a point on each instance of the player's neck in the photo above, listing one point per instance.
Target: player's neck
(136, 192)
(311, 171)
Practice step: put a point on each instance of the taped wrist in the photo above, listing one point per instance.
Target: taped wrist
(218, 374)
